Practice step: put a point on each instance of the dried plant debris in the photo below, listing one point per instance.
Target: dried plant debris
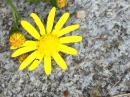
(95, 91)
(66, 93)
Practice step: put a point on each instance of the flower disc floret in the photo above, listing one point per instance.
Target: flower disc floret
(61, 3)
(58, 3)
(22, 57)
(48, 44)
(16, 40)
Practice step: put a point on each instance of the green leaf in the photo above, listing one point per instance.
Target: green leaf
(15, 14)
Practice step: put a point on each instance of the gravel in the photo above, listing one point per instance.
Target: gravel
(101, 67)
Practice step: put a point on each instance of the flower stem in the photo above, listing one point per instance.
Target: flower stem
(15, 14)
(55, 3)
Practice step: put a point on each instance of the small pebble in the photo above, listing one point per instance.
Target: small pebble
(51, 77)
(80, 14)
(66, 93)
(103, 36)
(120, 46)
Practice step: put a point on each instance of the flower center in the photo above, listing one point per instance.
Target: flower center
(17, 39)
(48, 44)
(61, 3)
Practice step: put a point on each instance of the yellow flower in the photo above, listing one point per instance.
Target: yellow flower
(16, 40)
(48, 42)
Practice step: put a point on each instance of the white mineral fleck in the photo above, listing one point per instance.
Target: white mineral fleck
(80, 14)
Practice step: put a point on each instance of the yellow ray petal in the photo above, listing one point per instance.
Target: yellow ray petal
(38, 23)
(12, 47)
(70, 39)
(36, 62)
(61, 22)
(50, 20)
(28, 60)
(67, 30)
(29, 43)
(47, 64)
(23, 50)
(59, 60)
(30, 29)
(68, 50)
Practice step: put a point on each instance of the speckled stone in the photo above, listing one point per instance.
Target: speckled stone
(102, 61)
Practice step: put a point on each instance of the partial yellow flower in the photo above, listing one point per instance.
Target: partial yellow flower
(58, 3)
(48, 42)
(16, 40)
(22, 57)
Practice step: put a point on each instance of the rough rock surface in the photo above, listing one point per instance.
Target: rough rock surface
(102, 66)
